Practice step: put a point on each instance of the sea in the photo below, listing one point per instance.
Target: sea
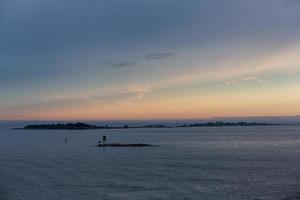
(209, 163)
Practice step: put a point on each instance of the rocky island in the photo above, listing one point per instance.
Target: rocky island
(83, 126)
(68, 126)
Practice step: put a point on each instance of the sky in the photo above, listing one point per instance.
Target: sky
(142, 59)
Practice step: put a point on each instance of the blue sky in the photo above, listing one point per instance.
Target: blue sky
(115, 59)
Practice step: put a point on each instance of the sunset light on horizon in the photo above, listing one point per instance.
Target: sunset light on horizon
(110, 60)
(149, 99)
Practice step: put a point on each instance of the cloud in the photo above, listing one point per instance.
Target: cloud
(128, 63)
(69, 102)
(130, 93)
(158, 56)
(242, 80)
(122, 64)
(119, 64)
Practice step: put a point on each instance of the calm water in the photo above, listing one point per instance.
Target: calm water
(251, 163)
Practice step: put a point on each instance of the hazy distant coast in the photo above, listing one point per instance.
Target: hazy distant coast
(84, 126)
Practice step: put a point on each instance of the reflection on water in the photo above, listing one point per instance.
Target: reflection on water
(186, 163)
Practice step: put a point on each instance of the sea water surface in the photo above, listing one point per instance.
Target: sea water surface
(217, 163)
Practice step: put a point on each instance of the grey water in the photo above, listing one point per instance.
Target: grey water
(228, 163)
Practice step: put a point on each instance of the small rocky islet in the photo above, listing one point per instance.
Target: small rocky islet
(124, 145)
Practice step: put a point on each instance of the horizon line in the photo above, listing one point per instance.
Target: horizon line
(160, 119)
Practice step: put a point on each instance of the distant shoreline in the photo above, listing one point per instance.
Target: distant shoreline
(84, 126)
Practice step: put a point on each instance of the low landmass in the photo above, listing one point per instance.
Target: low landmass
(220, 123)
(84, 126)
